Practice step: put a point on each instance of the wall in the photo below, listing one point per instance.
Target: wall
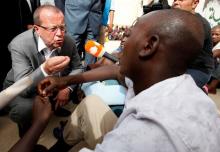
(128, 10)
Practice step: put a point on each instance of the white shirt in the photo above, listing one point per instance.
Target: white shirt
(29, 4)
(43, 2)
(47, 53)
(173, 115)
(217, 46)
(113, 5)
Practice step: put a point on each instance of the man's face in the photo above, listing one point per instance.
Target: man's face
(187, 5)
(216, 35)
(52, 29)
(130, 56)
(123, 41)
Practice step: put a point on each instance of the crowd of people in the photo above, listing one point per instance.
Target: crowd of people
(117, 33)
(166, 59)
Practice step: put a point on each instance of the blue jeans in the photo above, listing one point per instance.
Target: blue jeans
(80, 40)
(199, 77)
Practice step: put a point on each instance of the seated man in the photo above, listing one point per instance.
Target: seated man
(39, 52)
(164, 109)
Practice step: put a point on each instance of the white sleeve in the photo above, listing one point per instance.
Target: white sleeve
(113, 5)
(43, 71)
(216, 47)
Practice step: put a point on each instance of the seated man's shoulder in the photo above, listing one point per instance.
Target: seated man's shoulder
(23, 38)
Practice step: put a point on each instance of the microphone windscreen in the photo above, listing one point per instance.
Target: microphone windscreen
(94, 48)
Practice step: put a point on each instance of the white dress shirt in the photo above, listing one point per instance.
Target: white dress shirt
(42, 48)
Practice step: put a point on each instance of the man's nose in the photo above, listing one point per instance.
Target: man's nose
(175, 2)
(59, 32)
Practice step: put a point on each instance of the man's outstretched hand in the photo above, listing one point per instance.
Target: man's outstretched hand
(50, 85)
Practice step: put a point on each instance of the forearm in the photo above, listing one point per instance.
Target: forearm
(27, 143)
(111, 18)
(101, 73)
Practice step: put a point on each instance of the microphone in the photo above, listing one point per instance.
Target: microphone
(97, 50)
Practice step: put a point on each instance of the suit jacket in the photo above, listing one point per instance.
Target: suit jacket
(26, 60)
(81, 13)
(34, 4)
(15, 23)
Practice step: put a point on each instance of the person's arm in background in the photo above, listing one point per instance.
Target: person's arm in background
(41, 114)
(111, 20)
(111, 16)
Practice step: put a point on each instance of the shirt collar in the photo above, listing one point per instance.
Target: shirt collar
(41, 45)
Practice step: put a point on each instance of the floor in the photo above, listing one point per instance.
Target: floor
(9, 133)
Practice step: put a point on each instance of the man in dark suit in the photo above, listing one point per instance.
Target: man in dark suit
(83, 21)
(39, 52)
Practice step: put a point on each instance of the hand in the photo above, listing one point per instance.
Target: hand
(62, 97)
(110, 28)
(50, 85)
(105, 61)
(216, 53)
(41, 110)
(55, 64)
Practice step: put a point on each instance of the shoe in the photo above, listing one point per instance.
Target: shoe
(58, 131)
(40, 148)
(60, 146)
(3, 112)
(61, 112)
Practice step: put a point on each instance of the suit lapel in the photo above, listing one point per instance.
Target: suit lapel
(40, 55)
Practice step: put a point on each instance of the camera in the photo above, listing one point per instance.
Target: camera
(163, 4)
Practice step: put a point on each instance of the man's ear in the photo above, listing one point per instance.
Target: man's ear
(195, 3)
(36, 28)
(150, 46)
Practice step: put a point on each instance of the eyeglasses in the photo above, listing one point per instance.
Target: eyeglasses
(54, 28)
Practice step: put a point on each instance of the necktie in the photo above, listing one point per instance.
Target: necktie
(55, 53)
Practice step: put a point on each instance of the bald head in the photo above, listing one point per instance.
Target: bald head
(180, 32)
(161, 44)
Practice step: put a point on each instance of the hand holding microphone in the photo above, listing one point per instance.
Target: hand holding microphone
(98, 50)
